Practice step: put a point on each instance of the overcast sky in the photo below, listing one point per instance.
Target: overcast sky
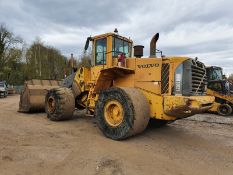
(196, 28)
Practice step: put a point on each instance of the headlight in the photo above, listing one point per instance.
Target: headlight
(178, 80)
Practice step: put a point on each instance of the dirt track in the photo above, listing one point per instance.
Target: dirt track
(31, 144)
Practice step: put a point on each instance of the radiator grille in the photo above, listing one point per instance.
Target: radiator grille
(199, 80)
(165, 78)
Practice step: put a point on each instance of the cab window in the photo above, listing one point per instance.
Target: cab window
(121, 46)
(101, 48)
(216, 86)
(216, 74)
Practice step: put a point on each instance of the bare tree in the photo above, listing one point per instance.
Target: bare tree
(85, 60)
(36, 61)
(7, 40)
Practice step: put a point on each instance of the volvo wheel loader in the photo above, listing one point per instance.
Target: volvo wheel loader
(124, 90)
(220, 89)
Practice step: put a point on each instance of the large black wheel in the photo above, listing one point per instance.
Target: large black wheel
(59, 104)
(224, 109)
(122, 112)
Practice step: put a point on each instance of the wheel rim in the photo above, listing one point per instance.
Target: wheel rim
(224, 110)
(113, 113)
(51, 104)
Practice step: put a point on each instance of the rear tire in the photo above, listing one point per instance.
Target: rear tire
(224, 109)
(122, 112)
(59, 104)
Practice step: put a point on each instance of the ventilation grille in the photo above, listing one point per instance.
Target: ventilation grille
(199, 79)
(165, 78)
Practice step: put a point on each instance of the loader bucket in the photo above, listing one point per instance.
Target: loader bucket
(32, 98)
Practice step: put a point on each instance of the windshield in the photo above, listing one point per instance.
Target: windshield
(101, 48)
(216, 74)
(121, 46)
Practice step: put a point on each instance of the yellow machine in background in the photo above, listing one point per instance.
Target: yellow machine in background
(125, 91)
(220, 89)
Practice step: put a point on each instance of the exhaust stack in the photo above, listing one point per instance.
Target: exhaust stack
(153, 45)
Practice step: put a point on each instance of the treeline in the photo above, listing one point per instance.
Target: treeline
(19, 63)
(44, 62)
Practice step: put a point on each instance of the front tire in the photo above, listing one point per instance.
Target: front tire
(224, 109)
(59, 104)
(122, 112)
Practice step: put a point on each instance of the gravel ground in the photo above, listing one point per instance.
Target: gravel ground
(31, 144)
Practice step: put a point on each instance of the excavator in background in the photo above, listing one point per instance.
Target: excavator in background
(124, 90)
(220, 88)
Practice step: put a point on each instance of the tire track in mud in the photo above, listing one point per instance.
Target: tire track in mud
(211, 119)
(205, 121)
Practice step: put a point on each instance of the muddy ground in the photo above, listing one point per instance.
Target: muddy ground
(31, 144)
